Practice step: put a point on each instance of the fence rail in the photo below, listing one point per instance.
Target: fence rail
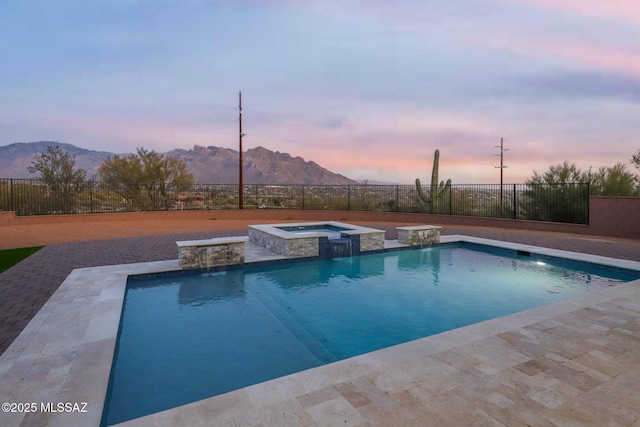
(567, 203)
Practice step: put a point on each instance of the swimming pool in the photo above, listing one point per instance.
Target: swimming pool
(261, 323)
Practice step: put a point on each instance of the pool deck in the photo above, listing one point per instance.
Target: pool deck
(576, 362)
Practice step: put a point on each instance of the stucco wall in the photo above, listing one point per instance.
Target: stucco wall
(615, 216)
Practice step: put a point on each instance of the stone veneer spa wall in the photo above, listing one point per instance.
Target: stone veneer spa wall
(312, 239)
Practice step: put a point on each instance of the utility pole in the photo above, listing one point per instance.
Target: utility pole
(502, 166)
(240, 186)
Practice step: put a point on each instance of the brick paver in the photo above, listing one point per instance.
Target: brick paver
(28, 285)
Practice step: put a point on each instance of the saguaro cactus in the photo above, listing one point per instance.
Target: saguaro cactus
(436, 191)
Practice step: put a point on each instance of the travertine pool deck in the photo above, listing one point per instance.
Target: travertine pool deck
(575, 362)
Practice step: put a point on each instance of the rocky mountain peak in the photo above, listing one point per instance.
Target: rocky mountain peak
(209, 165)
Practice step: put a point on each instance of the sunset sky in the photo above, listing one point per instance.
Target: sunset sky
(365, 88)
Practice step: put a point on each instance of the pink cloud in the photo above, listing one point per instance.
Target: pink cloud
(379, 142)
(624, 10)
(617, 61)
(396, 144)
(581, 54)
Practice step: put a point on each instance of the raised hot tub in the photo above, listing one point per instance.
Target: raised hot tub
(328, 239)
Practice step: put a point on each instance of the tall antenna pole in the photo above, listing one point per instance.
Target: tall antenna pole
(502, 166)
(240, 187)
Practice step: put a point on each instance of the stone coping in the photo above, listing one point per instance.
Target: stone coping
(577, 256)
(419, 227)
(349, 229)
(65, 353)
(213, 241)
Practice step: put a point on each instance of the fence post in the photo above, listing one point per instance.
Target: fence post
(11, 195)
(515, 212)
(302, 196)
(91, 196)
(588, 200)
(450, 199)
(397, 198)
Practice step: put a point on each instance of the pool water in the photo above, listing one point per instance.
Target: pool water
(332, 232)
(188, 338)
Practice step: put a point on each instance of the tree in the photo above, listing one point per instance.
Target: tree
(606, 181)
(142, 178)
(56, 168)
(561, 173)
(614, 181)
(635, 159)
(559, 194)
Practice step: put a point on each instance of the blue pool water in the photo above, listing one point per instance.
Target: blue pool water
(331, 231)
(192, 337)
(331, 234)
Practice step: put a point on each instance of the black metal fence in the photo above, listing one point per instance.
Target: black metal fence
(568, 203)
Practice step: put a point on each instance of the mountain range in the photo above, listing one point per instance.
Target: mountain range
(208, 165)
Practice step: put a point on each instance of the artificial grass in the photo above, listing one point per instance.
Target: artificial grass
(10, 257)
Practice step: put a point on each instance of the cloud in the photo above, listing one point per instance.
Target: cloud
(361, 87)
(334, 123)
(571, 53)
(395, 141)
(584, 84)
(622, 10)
